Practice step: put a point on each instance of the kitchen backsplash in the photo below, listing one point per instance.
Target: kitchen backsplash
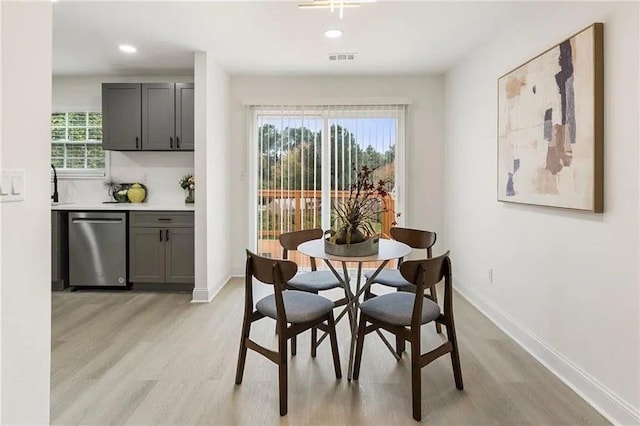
(158, 171)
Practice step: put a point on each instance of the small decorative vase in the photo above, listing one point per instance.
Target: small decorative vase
(189, 198)
(137, 193)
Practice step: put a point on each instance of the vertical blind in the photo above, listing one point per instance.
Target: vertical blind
(307, 156)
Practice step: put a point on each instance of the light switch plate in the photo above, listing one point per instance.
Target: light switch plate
(12, 185)
(5, 184)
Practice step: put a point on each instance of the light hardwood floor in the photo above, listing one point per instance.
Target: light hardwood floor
(152, 358)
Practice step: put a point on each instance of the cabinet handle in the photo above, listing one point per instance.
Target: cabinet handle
(171, 142)
(164, 219)
(137, 142)
(161, 235)
(178, 142)
(166, 234)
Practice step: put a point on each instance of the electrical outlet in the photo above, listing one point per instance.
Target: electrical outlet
(490, 275)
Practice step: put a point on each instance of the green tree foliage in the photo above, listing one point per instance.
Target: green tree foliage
(292, 159)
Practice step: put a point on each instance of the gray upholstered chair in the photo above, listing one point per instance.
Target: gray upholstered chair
(403, 313)
(416, 239)
(300, 309)
(314, 281)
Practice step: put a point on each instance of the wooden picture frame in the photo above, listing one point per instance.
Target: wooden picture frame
(551, 126)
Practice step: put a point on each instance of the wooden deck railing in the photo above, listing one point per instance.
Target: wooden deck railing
(303, 205)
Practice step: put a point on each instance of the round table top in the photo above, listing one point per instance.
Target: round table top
(387, 250)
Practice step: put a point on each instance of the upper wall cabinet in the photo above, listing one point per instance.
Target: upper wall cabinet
(184, 116)
(121, 118)
(158, 117)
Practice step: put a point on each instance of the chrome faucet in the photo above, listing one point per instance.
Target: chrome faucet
(54, 197)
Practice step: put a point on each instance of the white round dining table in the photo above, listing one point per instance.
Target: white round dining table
(387, 250)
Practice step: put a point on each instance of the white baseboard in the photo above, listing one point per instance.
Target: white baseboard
(206, 295)
(200, 295)
(237, 272)
(602, 399)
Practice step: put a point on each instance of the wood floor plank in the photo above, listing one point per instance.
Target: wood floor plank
(154, 358)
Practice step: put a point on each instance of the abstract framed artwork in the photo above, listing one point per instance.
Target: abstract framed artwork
(550, 126)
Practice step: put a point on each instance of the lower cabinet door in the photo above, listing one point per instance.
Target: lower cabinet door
(147, 255)
(179, 254)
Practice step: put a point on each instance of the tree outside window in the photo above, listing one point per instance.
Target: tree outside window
(76, 141)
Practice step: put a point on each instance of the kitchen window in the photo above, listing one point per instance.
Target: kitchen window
(76, 143)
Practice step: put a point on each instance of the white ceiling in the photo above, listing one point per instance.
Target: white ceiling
(389, 37)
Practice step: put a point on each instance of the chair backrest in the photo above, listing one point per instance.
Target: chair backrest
(427, 273)
(275, 272)
(414, 238)
(291, 240)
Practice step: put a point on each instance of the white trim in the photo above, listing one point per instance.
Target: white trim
(401, 177)
(81, 175)
(327, 101)
(588, 388)
(202, 295)
(85, 108)
(250, 140)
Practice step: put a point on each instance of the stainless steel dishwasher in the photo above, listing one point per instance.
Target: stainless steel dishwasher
(97, 249)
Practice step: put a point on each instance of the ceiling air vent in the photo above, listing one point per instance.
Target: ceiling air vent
(342, 56)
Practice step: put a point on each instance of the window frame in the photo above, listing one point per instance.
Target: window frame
(353, 109)
(65, 173)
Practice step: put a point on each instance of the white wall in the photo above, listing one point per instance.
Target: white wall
(212, 168)
(159, 171)
(565, 284)
(25, 90)
(424, 137)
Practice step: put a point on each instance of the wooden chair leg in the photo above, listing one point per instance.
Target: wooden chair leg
(455, 355)
(434, 296)
(400, 342)
(282, 373)
(314, 339)
(294, 345)
(400, 346)
(416, 379)
(334, 345)
(242, 354)
(359, 346)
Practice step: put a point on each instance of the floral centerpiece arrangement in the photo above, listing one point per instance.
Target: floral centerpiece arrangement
(355, 217)
(188, 183)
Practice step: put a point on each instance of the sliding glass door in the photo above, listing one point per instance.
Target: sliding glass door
(306, 157)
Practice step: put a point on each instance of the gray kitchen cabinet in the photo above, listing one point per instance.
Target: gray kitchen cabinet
(59, 250)
(158, 116)
(184, 116)
(148, 116)
(146, 255)
(162, 248)
(179, 255)
(121, 118)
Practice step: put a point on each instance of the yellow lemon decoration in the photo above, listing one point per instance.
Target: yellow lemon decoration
(136, 193)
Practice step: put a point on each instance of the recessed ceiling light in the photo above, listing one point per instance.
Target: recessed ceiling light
(126, 48)
(333, 33)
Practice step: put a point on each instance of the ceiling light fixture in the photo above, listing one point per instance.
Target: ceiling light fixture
(333, 33)
(127, 48)
(334, 4)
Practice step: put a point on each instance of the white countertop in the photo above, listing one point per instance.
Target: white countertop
(124, 206)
